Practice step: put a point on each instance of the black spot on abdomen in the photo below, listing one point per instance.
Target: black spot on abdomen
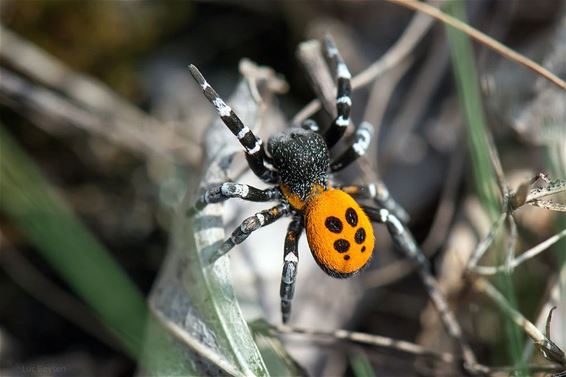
(333, 224)
(341, 245)
(360, 236)
(351, 217)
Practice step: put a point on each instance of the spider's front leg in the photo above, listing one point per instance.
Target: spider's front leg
(378, 192)
(248, 226)
(357, 148)
(228, 190)
(290, 263)
(253, 146)
(343, 99)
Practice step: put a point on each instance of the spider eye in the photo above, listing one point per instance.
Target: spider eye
(339, 233)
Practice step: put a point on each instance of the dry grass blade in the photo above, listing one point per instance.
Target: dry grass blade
(485, 243)
(368, 339)
(482, 38)
(55, 113)
(549, 350)
(414, 32)
(549, 204)
(51, 91)
(553, 187)
(531, 253)
(310, 56)
(412, 35)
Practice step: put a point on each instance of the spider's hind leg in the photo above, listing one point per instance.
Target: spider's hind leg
(291, 261)
(255, 154)
(379, 193)
(344, 90)
(405, 242)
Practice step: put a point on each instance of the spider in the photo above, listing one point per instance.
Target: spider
(297, 161)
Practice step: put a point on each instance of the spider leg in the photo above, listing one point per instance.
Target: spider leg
(406, 243)
(255, 154)
(224, 191)
(358, 148)
(379, 193)
(248, 226)
(344, 89)
(310, 125)
(291, 261)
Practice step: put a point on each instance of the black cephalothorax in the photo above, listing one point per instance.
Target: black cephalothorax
(302, 159)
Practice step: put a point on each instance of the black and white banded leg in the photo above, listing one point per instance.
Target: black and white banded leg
(310, 125)
(224, 191)
(290, 263)
(405, 242)
(248, 226)
(379, 193)
(344, 90)
(359, 147)
(255, 154)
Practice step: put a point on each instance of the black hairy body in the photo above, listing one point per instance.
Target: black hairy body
(302, 159)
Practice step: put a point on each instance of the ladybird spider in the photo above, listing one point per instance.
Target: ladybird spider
(339, 230)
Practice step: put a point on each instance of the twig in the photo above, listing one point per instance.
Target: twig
(516, 199)
(44, 68)
(393, 344)
(379, 97)
(417, 100)
(368, 339)
(482, 38)
(485, 243)
(497, 168)
(553, 299)
(546, 346)
(310, 56)
(412, 35)
(529, 368)
(97, 108)
(531, 253)
(44, 106)
(511, 244)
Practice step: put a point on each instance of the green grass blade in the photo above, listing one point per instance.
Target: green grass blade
(361, 365)
(484, 175)
(41, 214)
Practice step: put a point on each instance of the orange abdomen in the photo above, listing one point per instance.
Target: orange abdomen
(339, 233)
